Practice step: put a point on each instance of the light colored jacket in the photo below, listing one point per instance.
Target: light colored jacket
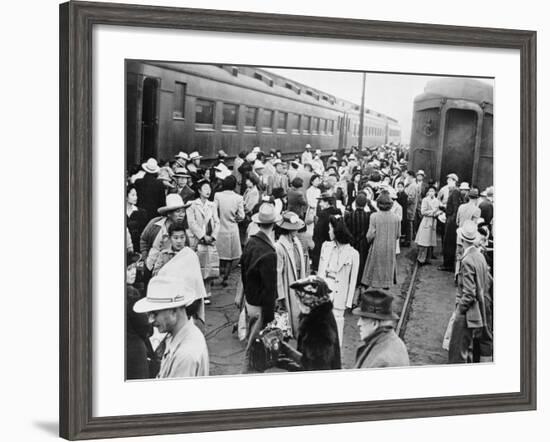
(198, 216)
(339, 266)
(287, 273)
(186, 354)
(385, 349)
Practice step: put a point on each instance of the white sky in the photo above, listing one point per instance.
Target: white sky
(390, 94)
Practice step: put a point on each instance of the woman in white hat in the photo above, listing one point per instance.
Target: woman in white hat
(291, 265)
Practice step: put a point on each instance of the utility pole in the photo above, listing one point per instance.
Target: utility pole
(362, 113)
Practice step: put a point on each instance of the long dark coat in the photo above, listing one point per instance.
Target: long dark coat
(140, 359)
(449, 240)
(357, 221)
(318, 339)
(259, 274)
(296, 202)
(151, 194)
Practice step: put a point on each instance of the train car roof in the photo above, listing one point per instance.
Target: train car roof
(265, 81)
(457, 88)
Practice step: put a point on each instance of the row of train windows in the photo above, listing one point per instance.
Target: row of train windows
(283, 121)
(368, 131)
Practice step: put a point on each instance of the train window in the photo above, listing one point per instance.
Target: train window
(204, 111)
(179, 100)
(332, 127)
(295, 123)
(324, 126)
(251, 118)
(229, 114)
(267, 120)
(307, 124)
(281, 125)
(314, 125)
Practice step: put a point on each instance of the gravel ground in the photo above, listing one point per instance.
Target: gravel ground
(431, 309)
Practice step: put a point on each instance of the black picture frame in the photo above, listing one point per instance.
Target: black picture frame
(76, 165)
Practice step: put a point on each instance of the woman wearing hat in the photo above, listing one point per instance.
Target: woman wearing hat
(426, 237)
(339, 266)
(317, 347)
(381, 345)
(291, 265)
(384, 230)
(231, 211)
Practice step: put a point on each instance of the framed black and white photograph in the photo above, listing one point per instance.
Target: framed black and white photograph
(263, 210)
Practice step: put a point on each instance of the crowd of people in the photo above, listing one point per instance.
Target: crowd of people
(314, 236)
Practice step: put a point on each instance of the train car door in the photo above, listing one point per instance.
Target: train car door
(458, 150)
(149, 118)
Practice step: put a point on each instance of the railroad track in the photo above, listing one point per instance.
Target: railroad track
(405, 311)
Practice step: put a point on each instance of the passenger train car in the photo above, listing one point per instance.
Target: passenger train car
(172, 107)
(452, 131)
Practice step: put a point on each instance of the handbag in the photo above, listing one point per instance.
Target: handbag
(209, 260)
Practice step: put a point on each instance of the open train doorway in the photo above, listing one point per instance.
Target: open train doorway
(149, 118)
(458, 153)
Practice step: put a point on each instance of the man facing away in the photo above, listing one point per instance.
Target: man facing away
(259, 275)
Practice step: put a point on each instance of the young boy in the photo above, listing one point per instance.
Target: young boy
(178, 240)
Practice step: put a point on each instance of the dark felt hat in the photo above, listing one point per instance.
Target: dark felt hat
(376, 304)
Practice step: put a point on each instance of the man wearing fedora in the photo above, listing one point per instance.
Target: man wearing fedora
(154, 237)
(381, 345)
(259, 275)
(472, 301)
(194, 167)
(181, 159)
(150, 190)
(173, 299)
(182, 185)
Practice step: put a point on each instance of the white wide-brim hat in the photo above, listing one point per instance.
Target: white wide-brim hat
(251, 157)
(256, 149)
(178, 284)
(151, 166)
(182, 155)
(194, 156)
(173, 202)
